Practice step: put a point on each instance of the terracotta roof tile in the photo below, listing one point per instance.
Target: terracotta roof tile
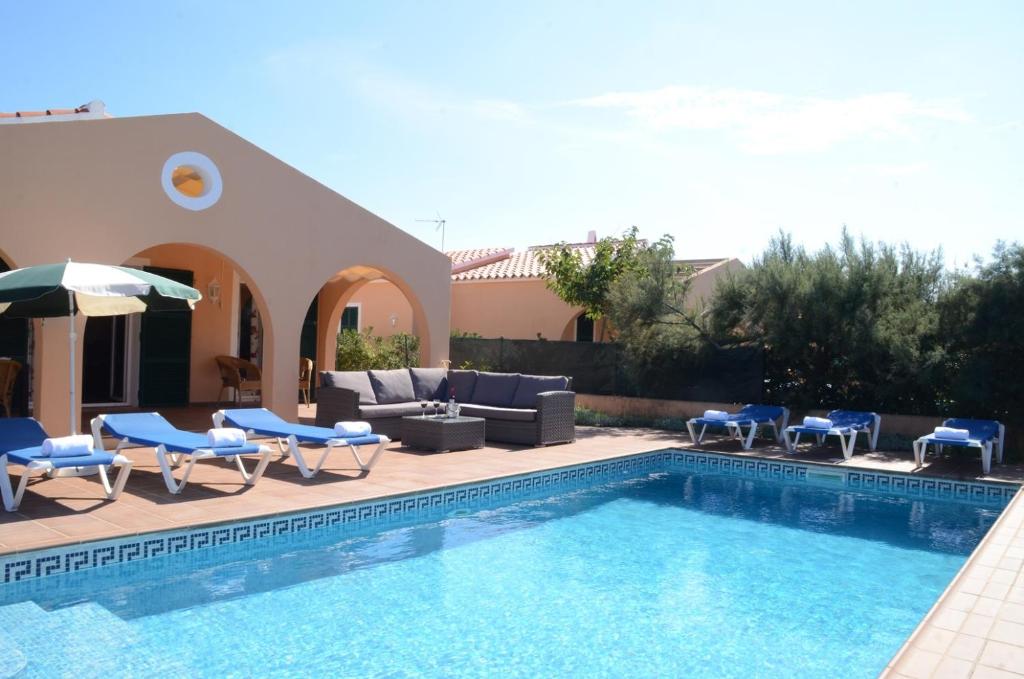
(84, 108)
(526, 264)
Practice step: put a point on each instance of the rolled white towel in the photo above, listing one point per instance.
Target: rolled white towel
(67, 446)
(952, 434)
(350, 430)
(716, 415)
(818, 422)
(225, 438)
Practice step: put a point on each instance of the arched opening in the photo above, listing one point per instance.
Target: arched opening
(579, 328)
(169, 358)
(16, 348)
(382, 320)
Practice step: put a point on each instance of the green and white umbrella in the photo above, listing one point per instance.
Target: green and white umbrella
(51, 290)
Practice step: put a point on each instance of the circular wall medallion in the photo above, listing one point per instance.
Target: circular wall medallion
(191, 180)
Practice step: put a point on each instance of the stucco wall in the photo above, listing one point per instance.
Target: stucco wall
(516, 309)
(92, 190)
(378, 301)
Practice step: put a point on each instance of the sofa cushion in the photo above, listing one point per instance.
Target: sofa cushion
(531, 385)
(429, 383)
(392, 386)
(390, 410)
(356, 380)
(463, 382)
(496, 413)
(495, 389)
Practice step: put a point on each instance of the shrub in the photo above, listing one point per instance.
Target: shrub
(364, 351)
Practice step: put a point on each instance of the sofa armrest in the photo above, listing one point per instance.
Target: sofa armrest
(336, 404)
(556, 416)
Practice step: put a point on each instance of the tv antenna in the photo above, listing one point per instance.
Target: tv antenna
(440, 222)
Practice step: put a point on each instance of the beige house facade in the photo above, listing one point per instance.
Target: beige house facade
(185, 197)
(499, 292)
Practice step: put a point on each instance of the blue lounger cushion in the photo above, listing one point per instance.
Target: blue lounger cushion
(747, 414)
(266, 423)
(980, 432)
(151, 429)
(842, 420)
(24, 456)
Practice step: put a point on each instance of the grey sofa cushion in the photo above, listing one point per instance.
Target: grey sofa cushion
(356, 380)
(463, 382)
(496, 413)
(390, 410)
(531, 385)
(429, 383)
(495, 389)
(392, 386)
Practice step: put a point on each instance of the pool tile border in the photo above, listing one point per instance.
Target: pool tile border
(436, 503)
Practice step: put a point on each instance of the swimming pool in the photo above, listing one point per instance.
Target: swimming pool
(667, 572)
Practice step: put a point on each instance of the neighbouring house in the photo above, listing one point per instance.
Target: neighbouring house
(187, 198)
(499, 292)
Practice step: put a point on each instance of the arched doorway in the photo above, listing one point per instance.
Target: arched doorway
(166, 358)
(365, 308)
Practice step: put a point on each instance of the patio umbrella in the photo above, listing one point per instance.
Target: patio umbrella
(51, 290)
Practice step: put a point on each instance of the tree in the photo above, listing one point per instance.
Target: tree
(983, 330)
(855, 326)
(587, 284)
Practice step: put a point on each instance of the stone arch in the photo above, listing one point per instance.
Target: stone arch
(340, 288)
(216, 321)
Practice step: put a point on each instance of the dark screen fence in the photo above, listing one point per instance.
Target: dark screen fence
(728, 375)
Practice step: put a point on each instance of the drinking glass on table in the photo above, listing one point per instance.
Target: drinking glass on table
(437, 404)
(423, 407)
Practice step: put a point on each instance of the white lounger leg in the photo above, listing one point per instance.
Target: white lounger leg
(367, 466)
(790, 445)
(693, 436)
(5, 486)
(847, 443)
(261, 466)
(986, 458)
(124, 466)
(873, 433)
(750, 437)
(920, 448)
(174, 487)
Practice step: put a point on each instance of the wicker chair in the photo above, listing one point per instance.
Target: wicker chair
(240, 375)
(305, 377)
(9, 370)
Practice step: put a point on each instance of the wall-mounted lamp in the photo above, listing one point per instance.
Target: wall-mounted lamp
(213, 291)
(394, 320)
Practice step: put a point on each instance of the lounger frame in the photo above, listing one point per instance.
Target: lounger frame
(168, 460)
(12, 498)
(986, 447)
(735, 429)
(289, 446)
(847, 436)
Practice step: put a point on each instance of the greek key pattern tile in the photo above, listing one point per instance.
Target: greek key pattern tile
(438, 504)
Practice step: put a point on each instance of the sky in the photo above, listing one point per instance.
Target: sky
(523, 123)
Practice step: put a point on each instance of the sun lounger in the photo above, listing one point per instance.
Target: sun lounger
(21, 443)
(985, 435)
(845, 424)
(265, 423)
(151, 429)
(750, 416)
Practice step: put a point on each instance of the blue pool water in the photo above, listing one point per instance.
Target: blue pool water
(670, 574)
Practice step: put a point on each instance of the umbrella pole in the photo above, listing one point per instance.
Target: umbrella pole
(72, 337)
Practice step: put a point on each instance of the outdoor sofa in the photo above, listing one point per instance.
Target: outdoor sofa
(526, 409)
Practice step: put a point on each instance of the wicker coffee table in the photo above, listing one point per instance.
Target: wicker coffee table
(443, 433)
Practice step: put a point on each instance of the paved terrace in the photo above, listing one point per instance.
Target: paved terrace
(976, 627)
